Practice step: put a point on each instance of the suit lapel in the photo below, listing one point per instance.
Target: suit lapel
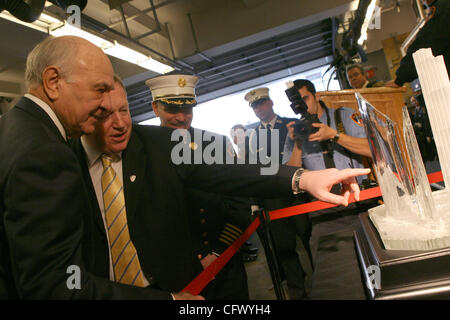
(133, 168)
(81, 155)
(281, 124)
(278, 123)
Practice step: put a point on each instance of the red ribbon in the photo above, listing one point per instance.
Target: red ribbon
(201, 281)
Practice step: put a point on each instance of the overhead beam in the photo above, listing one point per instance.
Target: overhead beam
(140, 13)
(219, 66)
(143, 19)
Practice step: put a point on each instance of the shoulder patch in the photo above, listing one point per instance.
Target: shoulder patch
(357, 119)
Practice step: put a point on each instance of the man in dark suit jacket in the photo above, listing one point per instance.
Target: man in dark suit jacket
(44, 212)
(259, 100)
(155, 193)
(157, 201)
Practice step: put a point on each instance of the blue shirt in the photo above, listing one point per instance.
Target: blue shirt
(312, 157)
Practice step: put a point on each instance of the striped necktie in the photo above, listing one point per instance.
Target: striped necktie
(127, 269)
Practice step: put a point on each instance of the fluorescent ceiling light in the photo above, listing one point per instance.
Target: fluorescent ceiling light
(49, 19)
(125, 53)
(367, 20)
(130, 55)
(58, 28)
(152, 64)
(68, 30)
(114, 49)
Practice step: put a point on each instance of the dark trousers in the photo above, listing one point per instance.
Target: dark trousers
(285, 232)
(230, 283)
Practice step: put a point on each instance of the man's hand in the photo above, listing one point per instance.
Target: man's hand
(290, 127)
(207, 260)
(183, 295)
(391, 84)
(324, 133)
(319, 183)
(291, 134)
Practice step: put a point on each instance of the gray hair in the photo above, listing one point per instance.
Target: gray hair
(118, 80)
(50, 52)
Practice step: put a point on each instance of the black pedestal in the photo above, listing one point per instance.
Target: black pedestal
(402, 274)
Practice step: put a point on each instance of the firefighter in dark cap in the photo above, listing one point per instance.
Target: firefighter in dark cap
(216, 221)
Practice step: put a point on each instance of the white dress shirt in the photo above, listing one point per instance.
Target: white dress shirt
(271, 122)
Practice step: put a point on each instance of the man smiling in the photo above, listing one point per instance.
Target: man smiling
(149, 223)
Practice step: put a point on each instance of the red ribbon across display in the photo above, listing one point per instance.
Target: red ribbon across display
(201, 281)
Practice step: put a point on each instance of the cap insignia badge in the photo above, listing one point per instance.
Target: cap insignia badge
(181, 82)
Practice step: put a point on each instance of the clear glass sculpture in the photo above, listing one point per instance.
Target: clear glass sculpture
(412, 217)
(421, 185)
(390, 163)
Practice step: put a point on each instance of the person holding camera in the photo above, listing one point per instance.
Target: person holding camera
(325, 138)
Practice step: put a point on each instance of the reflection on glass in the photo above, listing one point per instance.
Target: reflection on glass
(421, 185)
(406, 194)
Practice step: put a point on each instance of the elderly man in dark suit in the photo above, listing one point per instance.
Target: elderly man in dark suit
(153, 190)
(45, 216)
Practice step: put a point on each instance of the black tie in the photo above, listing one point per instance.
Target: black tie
(269, 139)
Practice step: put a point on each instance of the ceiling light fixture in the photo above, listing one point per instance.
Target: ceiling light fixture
(367, 20)
(58, 28)
(119, 51)
(66, 29)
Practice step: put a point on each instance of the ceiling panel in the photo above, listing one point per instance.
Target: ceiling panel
(224, 42)
(255, 60)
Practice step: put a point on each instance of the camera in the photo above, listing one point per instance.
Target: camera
(302, 127)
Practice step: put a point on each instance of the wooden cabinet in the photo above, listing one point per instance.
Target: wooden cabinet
(386, 100)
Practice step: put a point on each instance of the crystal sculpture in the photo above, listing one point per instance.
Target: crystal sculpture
(412, 217)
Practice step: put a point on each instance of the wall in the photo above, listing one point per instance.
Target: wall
(377, 59)
(392, 23)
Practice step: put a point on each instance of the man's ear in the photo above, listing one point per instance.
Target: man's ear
(51, 78)
(155, 108)
(317, 96)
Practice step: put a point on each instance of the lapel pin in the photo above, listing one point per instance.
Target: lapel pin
(193, 146)
(132, 178)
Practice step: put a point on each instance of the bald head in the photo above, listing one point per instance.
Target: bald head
(72, 76)
(62, 52)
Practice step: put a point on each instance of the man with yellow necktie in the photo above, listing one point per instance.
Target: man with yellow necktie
(142, 235)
